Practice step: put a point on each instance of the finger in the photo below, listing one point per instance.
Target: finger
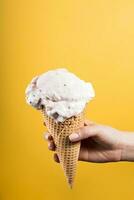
(56, 159)
(83, 133)
(48, 136)
(51, 146)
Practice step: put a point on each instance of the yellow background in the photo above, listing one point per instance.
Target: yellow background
(95, 40)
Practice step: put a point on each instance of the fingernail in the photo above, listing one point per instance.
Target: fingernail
(74, 136)
(46, 136)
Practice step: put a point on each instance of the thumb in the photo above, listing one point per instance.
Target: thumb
(83, 133)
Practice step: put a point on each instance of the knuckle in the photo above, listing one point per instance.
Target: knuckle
(51, 146)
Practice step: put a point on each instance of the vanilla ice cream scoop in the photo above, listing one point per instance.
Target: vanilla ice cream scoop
(60, 92)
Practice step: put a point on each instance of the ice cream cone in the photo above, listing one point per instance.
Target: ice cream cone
(67, 151)
(62, 96)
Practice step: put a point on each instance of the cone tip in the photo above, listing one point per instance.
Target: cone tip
(70, 184)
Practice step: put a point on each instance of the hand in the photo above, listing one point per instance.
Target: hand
(98, 143)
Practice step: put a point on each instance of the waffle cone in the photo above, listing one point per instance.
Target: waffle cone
(67, 151)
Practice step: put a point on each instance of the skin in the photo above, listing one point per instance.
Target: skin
(100, 143)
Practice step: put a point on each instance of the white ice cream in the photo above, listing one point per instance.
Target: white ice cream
(60, 92)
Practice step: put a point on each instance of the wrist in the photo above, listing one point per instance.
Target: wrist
(127, 153)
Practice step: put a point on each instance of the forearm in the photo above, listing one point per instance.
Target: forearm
(128, 146)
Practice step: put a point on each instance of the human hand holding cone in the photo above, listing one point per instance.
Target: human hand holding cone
(62, 98)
